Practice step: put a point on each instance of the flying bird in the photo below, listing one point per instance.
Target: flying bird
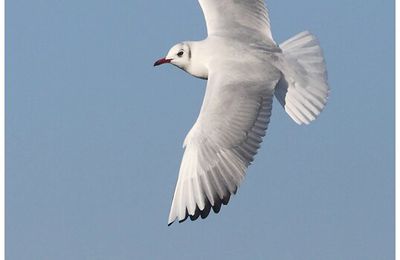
(244, 69)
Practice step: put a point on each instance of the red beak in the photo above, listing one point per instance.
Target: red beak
(162, 61)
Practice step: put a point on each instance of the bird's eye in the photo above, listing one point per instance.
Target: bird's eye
(180, 54)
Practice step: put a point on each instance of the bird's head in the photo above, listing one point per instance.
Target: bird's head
(179, 55)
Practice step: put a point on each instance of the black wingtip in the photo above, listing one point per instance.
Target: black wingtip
(207, 209)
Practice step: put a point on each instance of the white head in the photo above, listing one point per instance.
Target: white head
(179, 55)
(186, 56)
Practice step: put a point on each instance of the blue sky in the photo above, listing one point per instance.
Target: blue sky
(94, 138)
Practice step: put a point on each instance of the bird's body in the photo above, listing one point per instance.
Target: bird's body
(219, 49)
(245, 68)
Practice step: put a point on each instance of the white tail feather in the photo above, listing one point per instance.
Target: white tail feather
(303, 90)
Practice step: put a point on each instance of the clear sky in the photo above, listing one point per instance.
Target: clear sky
(94, 138)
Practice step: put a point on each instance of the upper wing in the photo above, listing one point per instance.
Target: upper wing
(247, 18)
(223, 141)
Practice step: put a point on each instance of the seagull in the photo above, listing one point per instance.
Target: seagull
(244, 69)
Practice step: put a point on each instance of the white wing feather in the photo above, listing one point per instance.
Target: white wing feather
(223, 141)
(233, 18)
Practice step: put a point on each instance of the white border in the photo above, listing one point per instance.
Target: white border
(397, 73)
(2, 128)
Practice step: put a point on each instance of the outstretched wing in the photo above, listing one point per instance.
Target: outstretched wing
(238, 18)
(223, 141)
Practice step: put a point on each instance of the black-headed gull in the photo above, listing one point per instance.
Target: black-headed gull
(245, 68)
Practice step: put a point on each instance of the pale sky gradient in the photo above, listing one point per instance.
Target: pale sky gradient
(94, 138)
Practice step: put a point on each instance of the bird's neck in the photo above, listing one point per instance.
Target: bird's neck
(197, 66)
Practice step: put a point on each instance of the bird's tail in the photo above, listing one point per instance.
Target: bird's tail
(303, 88)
